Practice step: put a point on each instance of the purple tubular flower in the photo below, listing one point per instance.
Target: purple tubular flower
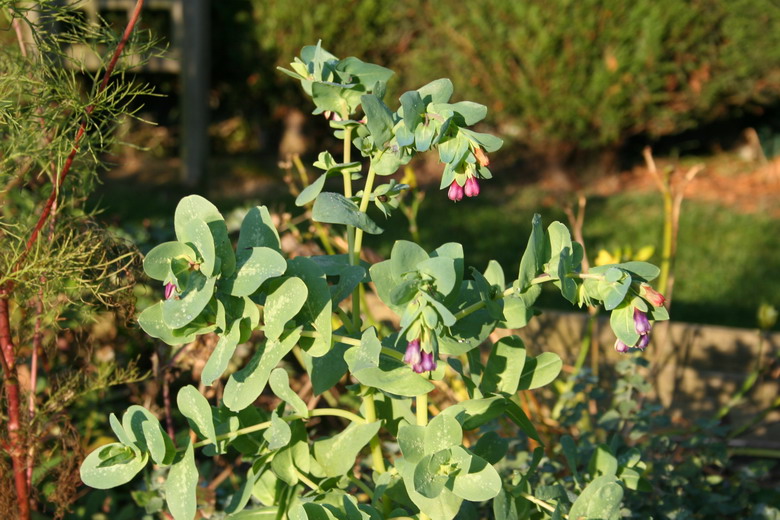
(471, 189)
(428, 363)
(641, 322)
(621, 347)
(412, 355)
(170, 289)
(455, 193)
(644, 340)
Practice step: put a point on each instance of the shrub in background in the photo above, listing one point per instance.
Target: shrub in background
(559, 76)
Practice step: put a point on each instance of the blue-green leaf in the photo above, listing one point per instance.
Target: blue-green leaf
(222, 354)
(278, 434)
(181, 485)
(600, 499)
(285, 299)
(379, 119)
(247, 384)
(157, 262)
(504, 366)
(540, 370)
(257, 230)
(280, 385)
(179, 312)
(152, 322)
(196, 209)
(337, 454)
(255, 266)
(334, 208)
(196, 408)
(98, 474)
(318, 306)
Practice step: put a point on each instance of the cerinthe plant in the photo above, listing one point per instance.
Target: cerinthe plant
(417, 467)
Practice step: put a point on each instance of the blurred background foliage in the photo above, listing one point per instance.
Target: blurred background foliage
(559, 77)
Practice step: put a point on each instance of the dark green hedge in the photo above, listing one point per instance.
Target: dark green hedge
(556, 74)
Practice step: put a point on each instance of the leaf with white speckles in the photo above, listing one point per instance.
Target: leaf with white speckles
(196, 408)
(255, 266)
(181, 486)
(337, 454)
(177, 313)
(318, 306)
(197, 209)
(221, 355)
(157, 262)
(285, 299)
(147, 433)
(257, 230)
(600, 499)
(247, 384)
(477, 480)
(280, 385)
(99, 475)
(411, 439)
(198, 234)
(442, 432)
(151, 320)
(278, 434)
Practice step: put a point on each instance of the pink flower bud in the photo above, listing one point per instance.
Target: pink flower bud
(170, 290)
(644, 340)
(471, 189)
(412, 355)
(641, 323)
(621, 347)
(481, 156)
(455, 193)
(655, 298)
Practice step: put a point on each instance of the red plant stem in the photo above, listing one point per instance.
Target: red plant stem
(11, 382)
(82, 128)
(8, 357)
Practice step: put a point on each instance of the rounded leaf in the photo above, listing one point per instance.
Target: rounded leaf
(157, 262)
(98, 471)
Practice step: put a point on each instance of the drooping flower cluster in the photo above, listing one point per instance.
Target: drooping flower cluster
(419, 360)
(471, 186)
(642, 326)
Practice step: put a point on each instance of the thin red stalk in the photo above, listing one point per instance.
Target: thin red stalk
(82, 127)
(15, 447)
(11, 382)
(36, 347)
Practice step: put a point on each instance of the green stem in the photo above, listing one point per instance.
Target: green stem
(756, 452)
(510, 291)
(347, 159)
(362, 485)
(422, 410)
(376, 447)
(303, 478)
(538, 502)
(367, 190)
(336, 337)
(319, 412)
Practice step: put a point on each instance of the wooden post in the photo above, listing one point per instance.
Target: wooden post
(194, 85)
